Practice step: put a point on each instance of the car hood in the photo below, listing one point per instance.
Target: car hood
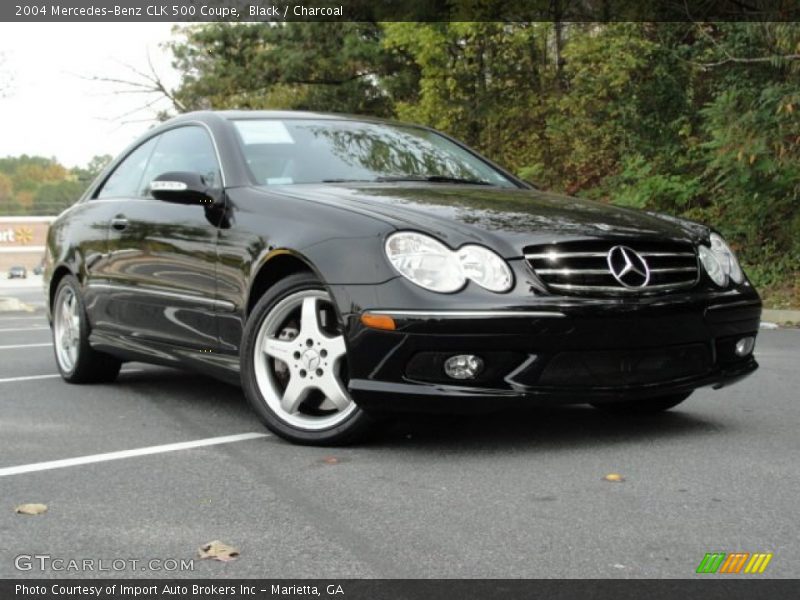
(506, 219)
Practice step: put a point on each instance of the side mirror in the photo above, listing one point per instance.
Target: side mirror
(183, 188)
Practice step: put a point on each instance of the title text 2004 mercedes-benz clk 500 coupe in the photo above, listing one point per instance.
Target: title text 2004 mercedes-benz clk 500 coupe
(340, 267)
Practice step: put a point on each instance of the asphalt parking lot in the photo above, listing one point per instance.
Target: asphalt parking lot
(508, 495)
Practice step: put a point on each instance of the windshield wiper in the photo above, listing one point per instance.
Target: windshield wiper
(399, 178)
(348, 181)
(433, 179)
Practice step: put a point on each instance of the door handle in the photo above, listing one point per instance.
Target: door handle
(119, 223)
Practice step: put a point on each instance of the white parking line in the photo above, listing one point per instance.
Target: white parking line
(28, 378)
(40, 318)
(14, 347)
(54, 376)
(95, 458)
(42, 328)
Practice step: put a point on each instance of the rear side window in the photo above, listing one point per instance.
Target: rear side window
(124, 181)
(187, 149)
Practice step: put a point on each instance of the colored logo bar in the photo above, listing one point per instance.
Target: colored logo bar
(735, 562)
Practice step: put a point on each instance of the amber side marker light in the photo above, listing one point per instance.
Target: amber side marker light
(378, 321)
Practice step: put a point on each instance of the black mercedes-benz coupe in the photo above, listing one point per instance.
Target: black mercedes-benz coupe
(339, 268)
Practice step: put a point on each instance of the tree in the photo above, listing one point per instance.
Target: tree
(330, 66)
(752, 125)
(87, 174)
(53, 197)
(689, 118)
(483, 82)
(7, 204)
(33, 185)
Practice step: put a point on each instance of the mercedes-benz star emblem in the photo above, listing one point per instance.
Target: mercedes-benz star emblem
(310, 359)
(628, 267)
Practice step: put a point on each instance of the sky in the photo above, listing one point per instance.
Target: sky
(52, 110)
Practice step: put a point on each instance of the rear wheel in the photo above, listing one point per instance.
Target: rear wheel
(77, 361)
(645, 406)
(294, 365)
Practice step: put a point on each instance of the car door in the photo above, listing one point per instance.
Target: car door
(161, 267)
(95, 219)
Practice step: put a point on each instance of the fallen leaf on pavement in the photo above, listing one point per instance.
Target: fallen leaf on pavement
(31, 509)
(614, 477)
(218, 551)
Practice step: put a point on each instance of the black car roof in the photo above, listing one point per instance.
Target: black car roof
(233, 115)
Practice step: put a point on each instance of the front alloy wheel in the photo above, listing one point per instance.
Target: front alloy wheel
(294, 367)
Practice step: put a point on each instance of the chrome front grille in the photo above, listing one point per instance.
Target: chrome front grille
(582, 268)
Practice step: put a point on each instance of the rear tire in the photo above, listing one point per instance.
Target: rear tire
(76, 360)
(645, 406)
(293, 365)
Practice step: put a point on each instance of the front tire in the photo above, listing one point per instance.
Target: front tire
(77, 361)
(645, 406)
(294, 370)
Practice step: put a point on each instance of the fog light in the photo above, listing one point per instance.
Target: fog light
(463, 366)
(745, 346)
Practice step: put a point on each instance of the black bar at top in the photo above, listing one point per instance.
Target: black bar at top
(399, 10)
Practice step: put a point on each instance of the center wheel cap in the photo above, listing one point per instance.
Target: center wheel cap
(311, 359)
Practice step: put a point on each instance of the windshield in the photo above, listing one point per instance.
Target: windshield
(282, 152)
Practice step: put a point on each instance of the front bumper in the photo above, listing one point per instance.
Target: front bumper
(555, 351)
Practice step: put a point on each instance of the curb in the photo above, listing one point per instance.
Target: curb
(781, 317)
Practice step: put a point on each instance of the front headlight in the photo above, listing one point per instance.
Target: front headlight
(485, 268)
(720, 262)
(425, 261)
(428, 263)
(727, 258)
(712, 266)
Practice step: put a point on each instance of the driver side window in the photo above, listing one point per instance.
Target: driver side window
(187, 149)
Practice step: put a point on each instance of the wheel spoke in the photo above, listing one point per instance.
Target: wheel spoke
(334, 390)
(294, 394)
(335, 347)
(64, 311)
(73, 314)
(309, 318)
(280, 349)
(63, 322)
